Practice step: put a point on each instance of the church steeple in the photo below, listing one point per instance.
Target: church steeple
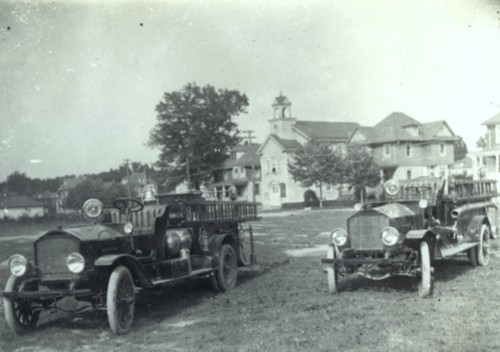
(282, 107)
(282, 122)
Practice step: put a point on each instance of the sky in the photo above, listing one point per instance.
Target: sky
(80, 80)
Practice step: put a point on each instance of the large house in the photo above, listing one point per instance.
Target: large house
(487, 161)
(287, 135)
(239, 175)
(404, 148)
(63, 192)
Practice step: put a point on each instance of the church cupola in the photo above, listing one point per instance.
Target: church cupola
(282, 122)
(282, 107)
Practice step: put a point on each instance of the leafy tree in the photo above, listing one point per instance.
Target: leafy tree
(317, 164)
(460, 150)
(105, 192)
(360, 168)
(195, 130)
(18, 183)
(481, 142)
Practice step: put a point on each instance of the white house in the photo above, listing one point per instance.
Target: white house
(15, 207)
(487, 161)
(287, 134)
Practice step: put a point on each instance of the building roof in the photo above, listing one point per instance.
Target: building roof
(395, 128)
(71, 182)
(494, 120)
(11, 202)
(249, 155)
(45, 195)
(326, 130)
(138, 178)
(281, 100)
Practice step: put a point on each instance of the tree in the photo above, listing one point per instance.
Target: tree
(195, 130)
(105, 192)
(18, 183)
(360, 168)
(460, 149)
(317, 164)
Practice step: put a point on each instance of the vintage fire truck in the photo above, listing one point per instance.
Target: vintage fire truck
(126, 249)
(418, 222)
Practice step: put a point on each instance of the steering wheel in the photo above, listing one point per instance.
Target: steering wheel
(129, 205)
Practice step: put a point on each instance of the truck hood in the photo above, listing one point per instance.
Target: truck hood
(94, 232)
(395, 210)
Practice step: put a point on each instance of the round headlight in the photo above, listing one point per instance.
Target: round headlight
(75, 262)
(390, 236)
(128, 228)
(391, 188)
(18, 265)
(92, 208)
(423, 203)
(339, 237)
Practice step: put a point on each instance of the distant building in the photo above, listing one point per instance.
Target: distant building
(233, 179)
(141, 186)
(487, 161)
(49, 201)
(287, 135)
(15, 207)
(405, 148)
(63, 191)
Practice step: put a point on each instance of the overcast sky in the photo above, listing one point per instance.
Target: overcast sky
(80, 79)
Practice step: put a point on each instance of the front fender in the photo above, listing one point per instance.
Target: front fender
(112, 260)
(418, 234)
(474, 226)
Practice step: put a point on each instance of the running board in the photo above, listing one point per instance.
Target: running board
(197, 272)
(448, 252)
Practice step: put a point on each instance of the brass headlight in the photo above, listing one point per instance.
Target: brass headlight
(75, 262)
(390, 236)
(339, 237)
(18, 265)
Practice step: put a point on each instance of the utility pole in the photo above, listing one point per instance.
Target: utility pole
(250, 137)
(128, 177)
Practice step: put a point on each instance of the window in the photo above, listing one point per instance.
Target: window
(441, 149)
(387, 149)
(226, 174)
(408, 174)
(233, 156)
(408, 150)
(235, 172)
(257, 189)
(282, 190)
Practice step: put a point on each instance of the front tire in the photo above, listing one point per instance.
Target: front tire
(120, 300)
(483, 250)
(227, 272)
(331, 271)
(425, 286)
(20, 314)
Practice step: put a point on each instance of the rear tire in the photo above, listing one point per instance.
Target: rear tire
(483, 250)
(120, 300)
(227, 271)
(331, 271)
(20, 314)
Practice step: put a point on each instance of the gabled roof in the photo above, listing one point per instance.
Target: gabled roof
(323, 130)
(71, 182)
(11, 202)
(249, 155)
(394, 128)
(285, 144)
(494, 120)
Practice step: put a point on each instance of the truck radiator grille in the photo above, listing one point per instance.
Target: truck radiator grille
(364, 231)
(51, 253)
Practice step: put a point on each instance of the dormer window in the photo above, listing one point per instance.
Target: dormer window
(233, 156)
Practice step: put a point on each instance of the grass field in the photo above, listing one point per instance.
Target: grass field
(282, 305)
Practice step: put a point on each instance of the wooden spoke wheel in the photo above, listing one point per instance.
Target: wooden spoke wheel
(120, 300)
(227, 272)
(21, 314)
